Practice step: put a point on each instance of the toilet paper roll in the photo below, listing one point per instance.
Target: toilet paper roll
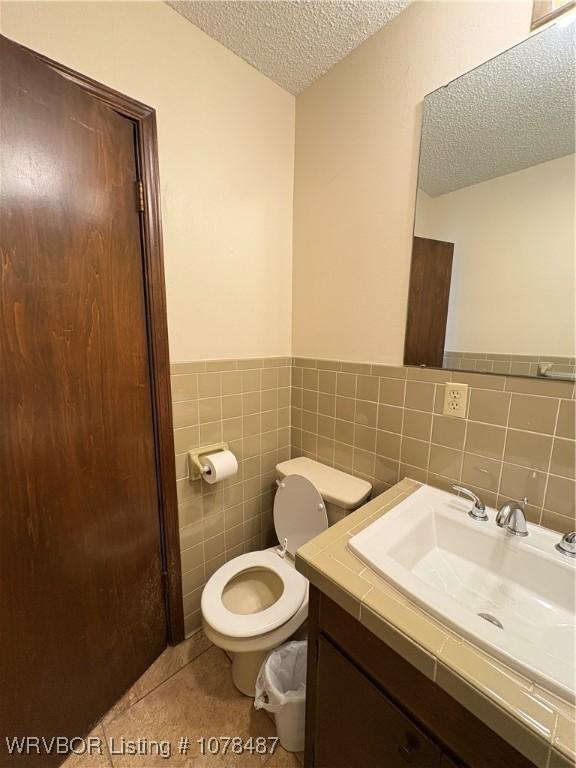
(219, 466)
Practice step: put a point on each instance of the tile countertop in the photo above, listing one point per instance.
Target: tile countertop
(537, 723)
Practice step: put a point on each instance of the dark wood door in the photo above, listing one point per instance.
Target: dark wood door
(82, 603)
(376, 733)
(448, 763)
(428, 295)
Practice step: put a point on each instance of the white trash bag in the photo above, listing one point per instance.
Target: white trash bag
(281, 689)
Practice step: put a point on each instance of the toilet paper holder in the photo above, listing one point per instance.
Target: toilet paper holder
(195, 466)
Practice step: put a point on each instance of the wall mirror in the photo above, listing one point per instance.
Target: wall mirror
(492, 283)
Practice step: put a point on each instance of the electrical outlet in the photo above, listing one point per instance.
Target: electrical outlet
(455, 399)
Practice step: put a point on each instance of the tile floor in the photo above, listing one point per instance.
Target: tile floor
(187, 692)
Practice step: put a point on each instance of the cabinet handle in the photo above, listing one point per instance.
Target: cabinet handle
(408, 751)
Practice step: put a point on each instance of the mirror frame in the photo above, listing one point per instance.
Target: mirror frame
(544, 11)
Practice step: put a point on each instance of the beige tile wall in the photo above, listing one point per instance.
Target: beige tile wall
(379, 422)
(516, 365)
(247, 404)
(384, 423)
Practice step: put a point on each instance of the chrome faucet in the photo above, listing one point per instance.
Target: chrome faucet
(567, 545)
(478, 511)
(512, 517)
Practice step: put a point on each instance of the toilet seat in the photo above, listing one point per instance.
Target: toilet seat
(299, 515)
(250, 625)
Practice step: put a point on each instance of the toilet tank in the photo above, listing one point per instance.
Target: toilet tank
(341, 492)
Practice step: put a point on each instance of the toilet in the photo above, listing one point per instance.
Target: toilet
(258, 600)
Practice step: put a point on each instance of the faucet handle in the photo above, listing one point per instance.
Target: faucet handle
(478, 511)
(567, 544)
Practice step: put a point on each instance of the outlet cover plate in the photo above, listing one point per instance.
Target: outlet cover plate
(455, 399)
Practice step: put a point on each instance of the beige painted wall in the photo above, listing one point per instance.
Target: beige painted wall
(513, 271)
(357, 132)
(226, 144)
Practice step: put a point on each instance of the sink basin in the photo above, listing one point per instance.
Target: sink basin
(514, 597)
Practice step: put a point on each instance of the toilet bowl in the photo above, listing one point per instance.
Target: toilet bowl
(248, 637)
(257, 601)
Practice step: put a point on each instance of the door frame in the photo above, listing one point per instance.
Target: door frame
(143, 118)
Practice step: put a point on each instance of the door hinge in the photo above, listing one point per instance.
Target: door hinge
(140, 195)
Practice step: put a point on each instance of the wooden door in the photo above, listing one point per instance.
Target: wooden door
(82, 600)
(428, 302)
(376, 732)
(448, 763)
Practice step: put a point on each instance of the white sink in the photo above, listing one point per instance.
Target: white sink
(456, 568)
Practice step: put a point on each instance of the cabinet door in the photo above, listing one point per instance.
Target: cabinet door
(356, 725)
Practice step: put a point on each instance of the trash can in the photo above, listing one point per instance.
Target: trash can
(281, 689)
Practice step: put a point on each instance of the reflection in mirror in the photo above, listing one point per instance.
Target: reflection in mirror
(492, 280)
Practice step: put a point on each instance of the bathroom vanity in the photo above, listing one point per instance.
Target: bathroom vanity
(365, 700)
(389, 685)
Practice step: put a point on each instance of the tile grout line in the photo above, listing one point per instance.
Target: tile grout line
(400, 461)
(499, 484)
(353, 419)
(545, 493)
(429, 451)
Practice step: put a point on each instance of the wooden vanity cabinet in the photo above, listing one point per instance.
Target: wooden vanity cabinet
(369, 708)
(374, 728)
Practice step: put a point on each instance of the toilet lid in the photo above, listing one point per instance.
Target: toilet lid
(299, 512)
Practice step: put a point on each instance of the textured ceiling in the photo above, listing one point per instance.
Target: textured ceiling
(293, 42)
(513, 112)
